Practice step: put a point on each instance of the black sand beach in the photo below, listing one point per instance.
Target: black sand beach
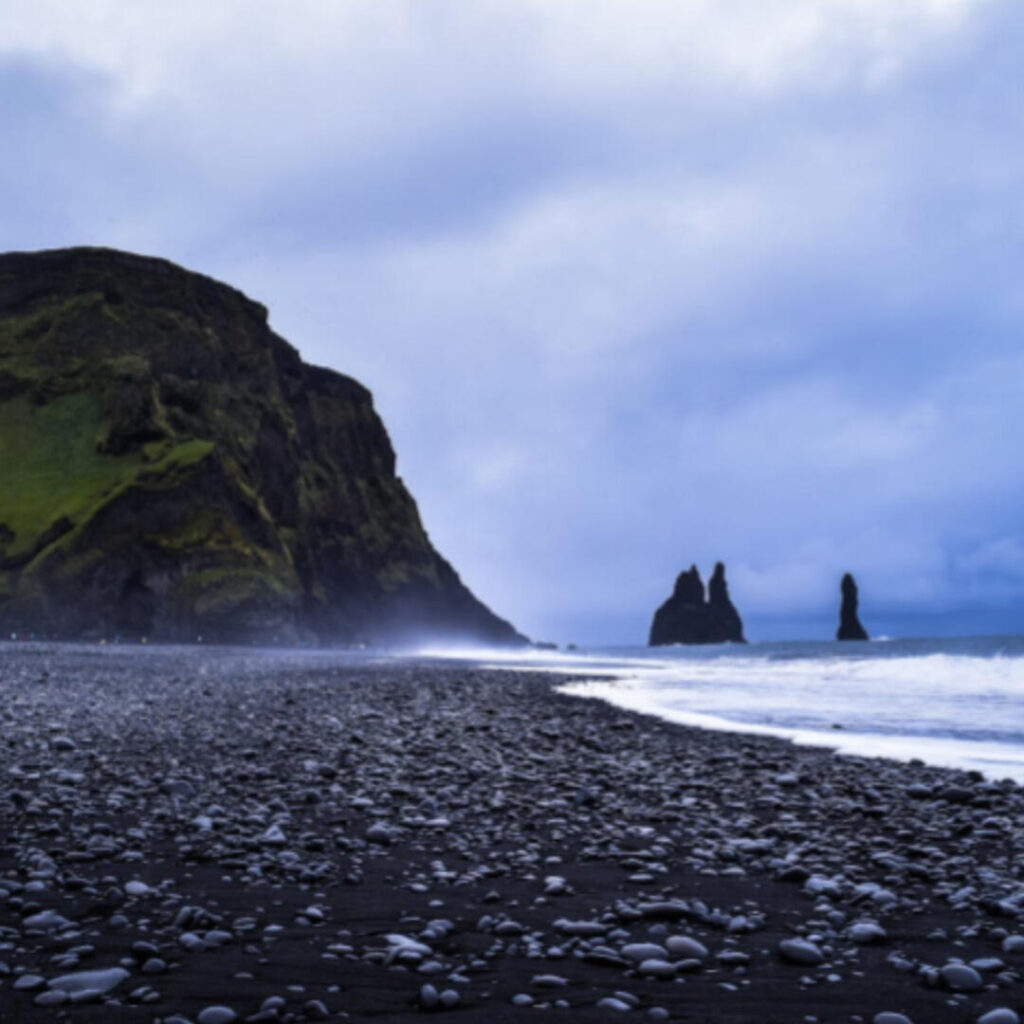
(303, 837)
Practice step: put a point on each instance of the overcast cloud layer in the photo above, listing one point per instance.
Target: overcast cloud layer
(634, 284)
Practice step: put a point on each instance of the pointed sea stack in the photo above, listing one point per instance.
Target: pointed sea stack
(849, 625)
(688, 618)
(171, 468)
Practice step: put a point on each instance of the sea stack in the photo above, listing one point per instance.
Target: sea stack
(174, 470)
(687, 617)
(849, 625)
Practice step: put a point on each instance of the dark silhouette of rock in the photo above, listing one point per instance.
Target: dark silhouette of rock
(177, 470)
(721, 604)
(849, 625)
(688, 618)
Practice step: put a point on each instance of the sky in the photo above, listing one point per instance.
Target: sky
(635, 284)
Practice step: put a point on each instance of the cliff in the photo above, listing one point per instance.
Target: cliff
(849, 624)
(687, 617)
(170, 468)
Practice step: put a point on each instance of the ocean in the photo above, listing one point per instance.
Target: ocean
(956, 702)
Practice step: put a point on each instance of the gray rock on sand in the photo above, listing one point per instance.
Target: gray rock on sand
(961, 978)
(643, 951)
(217, 1015)
(684, 946)
(102, 981)
(1000, 1015)
(866, 932)
(801, 951)
(887, 1017)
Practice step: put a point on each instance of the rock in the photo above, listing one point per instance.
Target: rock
(101, 981)
(849, 625)
(887, 1017)
(684, 946)
(643, 951)
(217, 1015)
(379, 833)
(800, 951)
(687, 618)
(961, 978)
(176, 521)
(46, 921)
(1000, 1015)
(866, 932)
(28, 982)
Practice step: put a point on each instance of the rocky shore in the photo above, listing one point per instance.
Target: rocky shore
(216, 835)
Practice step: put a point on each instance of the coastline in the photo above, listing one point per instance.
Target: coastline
(365, 829)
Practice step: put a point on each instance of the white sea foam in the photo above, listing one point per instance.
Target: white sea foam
(954, 703)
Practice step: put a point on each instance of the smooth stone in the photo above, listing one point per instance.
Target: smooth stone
(657, 968)
(549, 981)
(102, 981)
(47, 921)
(684, 946)
(866, 932)
(887, 1017)
(217, 1015)
(988, 964)
(961, 978)
(29, 982)
(800, 951)
(52, 997)
(1013, 944)
(611, 1003)
(1000, 1015)
(643, 951)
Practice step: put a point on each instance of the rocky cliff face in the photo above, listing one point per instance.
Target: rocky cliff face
(849, 624)
(169, 467)
(688, 618)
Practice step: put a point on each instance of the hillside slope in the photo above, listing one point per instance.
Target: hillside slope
(170, 468)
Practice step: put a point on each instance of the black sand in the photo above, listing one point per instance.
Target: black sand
(287, 813)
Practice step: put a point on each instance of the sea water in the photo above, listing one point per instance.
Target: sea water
(957, 702)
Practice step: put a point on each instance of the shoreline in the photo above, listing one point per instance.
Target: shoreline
(363, 831)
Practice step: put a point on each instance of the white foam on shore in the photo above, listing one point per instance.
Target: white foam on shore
(947, 709)
(993, 759)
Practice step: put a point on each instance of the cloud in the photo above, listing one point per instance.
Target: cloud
(634, 284)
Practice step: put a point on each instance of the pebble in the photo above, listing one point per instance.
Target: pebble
(800, 951)
(102, 981)
(961, 978)
(1000, 1015)
(217, 1015)
(866, 932)
(684, 946)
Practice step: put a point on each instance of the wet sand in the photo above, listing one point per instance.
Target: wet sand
(306, 837)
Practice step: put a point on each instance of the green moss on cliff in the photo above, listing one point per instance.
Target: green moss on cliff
(215, 591)
(50, 468)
